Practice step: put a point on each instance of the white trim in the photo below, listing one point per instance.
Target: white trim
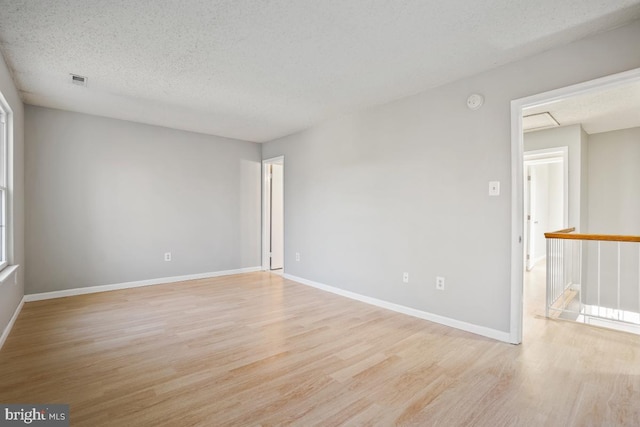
(7, 272)
(136, 284)
(517, 224)
(453, 323)
(279, 160)
(7, 329)
(8, 167)
(546, 153)
(517, 205)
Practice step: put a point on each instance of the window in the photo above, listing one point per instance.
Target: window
(5, 118)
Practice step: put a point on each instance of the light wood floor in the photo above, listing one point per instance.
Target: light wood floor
(256, 349)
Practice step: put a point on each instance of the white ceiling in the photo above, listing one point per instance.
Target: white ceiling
(258, 70)
(602, 111)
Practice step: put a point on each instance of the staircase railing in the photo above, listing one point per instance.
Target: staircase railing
(594, 278)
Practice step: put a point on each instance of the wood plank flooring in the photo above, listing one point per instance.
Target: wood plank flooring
(256, 349)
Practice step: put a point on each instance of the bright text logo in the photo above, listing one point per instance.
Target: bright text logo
(36, 415)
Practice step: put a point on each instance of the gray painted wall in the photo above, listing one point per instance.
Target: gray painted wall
(614, 176)
(584, 182)
(11, 295)
(614, 208)
(556, 196)
(403, 187)
(107, 198)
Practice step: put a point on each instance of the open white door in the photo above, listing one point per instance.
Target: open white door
(528, 221)
(273, 214)
(277, 218)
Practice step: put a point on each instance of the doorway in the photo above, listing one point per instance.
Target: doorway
(273, 215)
(517, 178)
(546, 199)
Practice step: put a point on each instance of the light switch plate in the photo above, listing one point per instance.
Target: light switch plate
(494, 188)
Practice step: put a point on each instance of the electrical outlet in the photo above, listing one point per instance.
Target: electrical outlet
(405, 277)
(440, 283)
(297, 256)
(167, 256)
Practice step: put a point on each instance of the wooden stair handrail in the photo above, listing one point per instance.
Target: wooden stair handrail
(566, 234)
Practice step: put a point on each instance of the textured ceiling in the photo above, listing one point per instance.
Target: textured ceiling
(602, 111)
(258, 70)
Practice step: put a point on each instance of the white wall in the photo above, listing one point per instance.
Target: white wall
(570, 137)
(11, 295)
(107, 198)
(403, 187)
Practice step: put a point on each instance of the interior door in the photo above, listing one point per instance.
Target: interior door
(276, 245)
(528, 212)
(540, 211)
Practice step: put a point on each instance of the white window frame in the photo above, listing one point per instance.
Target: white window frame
(6, 154)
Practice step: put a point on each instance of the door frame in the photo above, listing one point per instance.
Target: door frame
(266, 209)
(517, 185)
(542, 157)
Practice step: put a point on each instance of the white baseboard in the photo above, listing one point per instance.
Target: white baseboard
(136, 284)
(9, 326)
(457, 324)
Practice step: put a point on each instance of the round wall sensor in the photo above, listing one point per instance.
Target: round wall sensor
(475, 101)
